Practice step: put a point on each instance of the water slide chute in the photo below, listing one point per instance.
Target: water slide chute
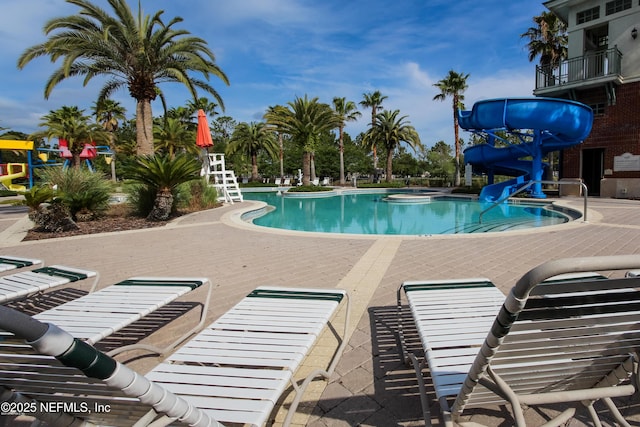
(541, 125)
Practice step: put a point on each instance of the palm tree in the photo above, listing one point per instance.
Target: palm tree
(135, 51)
(454, 85)
(69, 123)
(109, 113)
(346, 112)
(374, 101)
(389, 131)
(305, 120)
(172, 135)
(548, 39)
(163, 174)
(251, 138)
(273, 114)
(204, 104)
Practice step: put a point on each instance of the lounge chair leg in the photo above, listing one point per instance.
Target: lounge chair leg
(426, 413)
(615, 412)
(562, 418)
(507, 393)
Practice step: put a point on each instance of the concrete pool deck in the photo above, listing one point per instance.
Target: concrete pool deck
(371, 385)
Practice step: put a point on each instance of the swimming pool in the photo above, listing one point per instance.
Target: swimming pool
(377, 213)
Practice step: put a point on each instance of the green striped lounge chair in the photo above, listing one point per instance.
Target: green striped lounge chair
(563, 335)
(8, 263)
(24, 284)
(233, 372)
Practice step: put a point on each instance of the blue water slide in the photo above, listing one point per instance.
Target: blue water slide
(541, 125)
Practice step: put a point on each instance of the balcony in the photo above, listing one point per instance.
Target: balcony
(592, 69)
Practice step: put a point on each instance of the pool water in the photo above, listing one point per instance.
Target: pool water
(366, 213)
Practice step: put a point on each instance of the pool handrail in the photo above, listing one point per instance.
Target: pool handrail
(529, 184)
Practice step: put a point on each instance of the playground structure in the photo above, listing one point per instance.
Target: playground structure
(539, 125)
(11, 171)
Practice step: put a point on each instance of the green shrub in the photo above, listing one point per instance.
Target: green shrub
(36, 195)
(163, 174)
(197, 195)
(140, 198)
(382, 184)
(308, 188)
(84, 193)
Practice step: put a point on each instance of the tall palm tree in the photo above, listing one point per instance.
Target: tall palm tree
(305, 120)
(374, 101)
(547, 39)
(272, 116)
(70, 123)
(453, 85)
(346, 112)
(135, 51)
(251, 138)
(109, 114)
(388, 132)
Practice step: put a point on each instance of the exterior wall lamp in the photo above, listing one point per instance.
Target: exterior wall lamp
(634, 33)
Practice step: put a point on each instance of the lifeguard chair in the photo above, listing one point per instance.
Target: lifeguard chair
(224, 179)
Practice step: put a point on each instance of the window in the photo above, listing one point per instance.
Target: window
(616, 6)
(588, 15)
(598, 109)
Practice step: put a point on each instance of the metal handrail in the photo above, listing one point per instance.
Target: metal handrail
(530, 183)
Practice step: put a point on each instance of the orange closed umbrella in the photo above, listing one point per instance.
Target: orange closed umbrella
(203, 136)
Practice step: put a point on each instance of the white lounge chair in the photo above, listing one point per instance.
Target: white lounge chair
(24, 284)
(287, 182)
(234, 371)
(573, 339)
(277, 181)
(8, 263)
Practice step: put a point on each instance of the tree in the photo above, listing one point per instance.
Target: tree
(547, 39)
(304, 121)
(346, 112)
(273, 114)
(109, 113)
(70, 124)
(204, 104)
(374, 101)
(172, 136)
(252, 138)
(440, 160)
(454, 85)
(133, 51)
(162, 175)
(388, 132)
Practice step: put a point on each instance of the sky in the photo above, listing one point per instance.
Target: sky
(273, 51)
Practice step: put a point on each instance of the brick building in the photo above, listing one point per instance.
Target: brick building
(602, 71)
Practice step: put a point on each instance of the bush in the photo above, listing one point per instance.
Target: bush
(308, 188)
(197, 195)
(84, 193)
(140, 198)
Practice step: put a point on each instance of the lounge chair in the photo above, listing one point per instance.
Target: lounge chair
(234, 371)
(277, 181)
(17, 286)
(98, 315)
(287, 182)
(8, 263)
(573, 339)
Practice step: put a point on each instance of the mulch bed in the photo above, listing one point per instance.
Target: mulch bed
(103, 225)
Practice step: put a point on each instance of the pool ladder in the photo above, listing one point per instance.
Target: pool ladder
(530, 183)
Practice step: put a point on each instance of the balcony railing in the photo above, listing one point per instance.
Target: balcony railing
(577, 70)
